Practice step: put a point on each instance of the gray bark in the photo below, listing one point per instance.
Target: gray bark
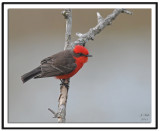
(61, 114)
(101, 24)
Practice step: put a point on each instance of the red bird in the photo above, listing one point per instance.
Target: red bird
(62, 65)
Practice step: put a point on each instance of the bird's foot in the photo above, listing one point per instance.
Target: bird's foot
(63, 83)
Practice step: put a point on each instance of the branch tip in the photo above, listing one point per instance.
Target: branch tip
(127, 11)
(66, 13)
(55, 115)
(79, 34)
(99, 17)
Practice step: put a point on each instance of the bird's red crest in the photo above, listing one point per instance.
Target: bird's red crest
(80, 49)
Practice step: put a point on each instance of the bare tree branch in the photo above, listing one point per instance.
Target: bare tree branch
(63, 101)
(61, 114)
(102, 23)
(67, 13)
(82, 40)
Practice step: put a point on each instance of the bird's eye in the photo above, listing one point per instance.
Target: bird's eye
(80, 54)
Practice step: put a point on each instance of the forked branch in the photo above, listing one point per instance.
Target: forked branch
(82, 40)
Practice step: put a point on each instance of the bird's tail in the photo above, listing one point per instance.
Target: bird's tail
(31, 74)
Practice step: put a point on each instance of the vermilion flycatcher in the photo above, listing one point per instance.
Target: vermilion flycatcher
(62, 65)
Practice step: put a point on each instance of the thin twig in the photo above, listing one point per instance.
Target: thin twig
(67, 13)
(54, 114)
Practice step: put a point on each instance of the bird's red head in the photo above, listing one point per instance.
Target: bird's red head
(80, 49)
(82, 54)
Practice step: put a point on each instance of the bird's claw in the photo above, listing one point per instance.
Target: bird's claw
(64, 84)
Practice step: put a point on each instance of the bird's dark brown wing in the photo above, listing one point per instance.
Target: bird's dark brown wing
(58, 64)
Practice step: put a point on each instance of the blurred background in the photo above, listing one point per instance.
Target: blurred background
(115, 84)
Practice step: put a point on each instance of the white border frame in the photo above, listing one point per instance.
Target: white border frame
(76, 125)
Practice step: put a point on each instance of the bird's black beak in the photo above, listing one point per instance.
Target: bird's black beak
(88, 55)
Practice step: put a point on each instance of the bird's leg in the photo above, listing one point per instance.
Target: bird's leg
(63, 83)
